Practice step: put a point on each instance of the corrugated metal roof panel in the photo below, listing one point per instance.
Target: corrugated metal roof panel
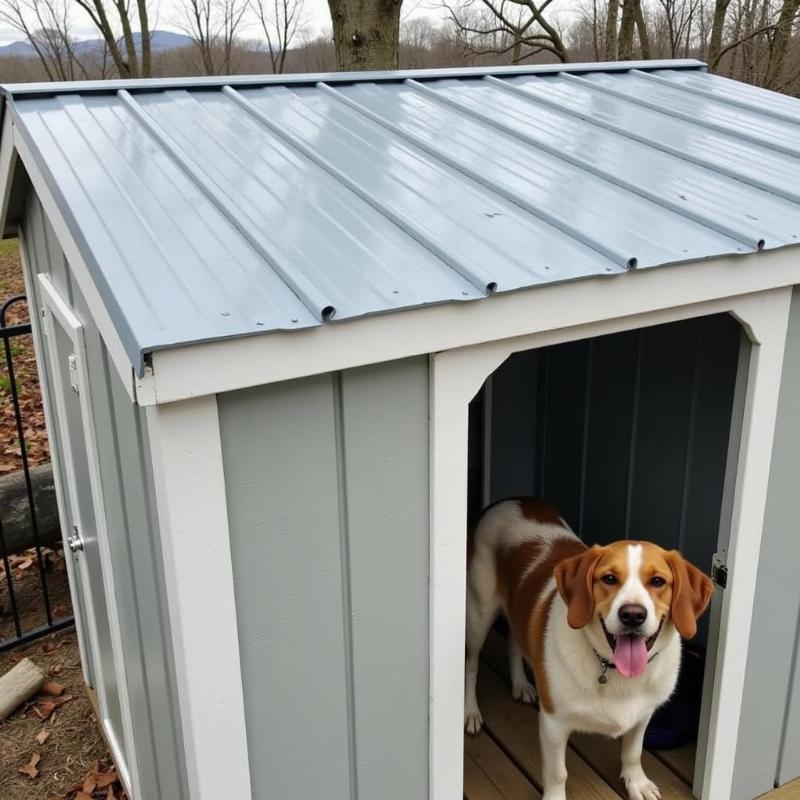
(226, 207)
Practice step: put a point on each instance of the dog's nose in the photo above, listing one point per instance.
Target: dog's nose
(632, 615)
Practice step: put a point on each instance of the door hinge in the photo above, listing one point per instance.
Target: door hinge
(73, 372)
(719, 571)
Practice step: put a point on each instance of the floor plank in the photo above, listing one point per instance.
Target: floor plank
(789, 791)
(490, 775)
(603, 755)
(680, 760)
(517, 727)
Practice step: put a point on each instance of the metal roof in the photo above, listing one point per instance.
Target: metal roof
(213, 208)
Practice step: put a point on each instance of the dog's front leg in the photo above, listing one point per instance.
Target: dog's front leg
(639, 786)
(554, 735)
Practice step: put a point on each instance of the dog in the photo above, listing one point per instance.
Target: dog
(601, 628)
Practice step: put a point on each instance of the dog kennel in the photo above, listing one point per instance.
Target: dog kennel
(290, 328)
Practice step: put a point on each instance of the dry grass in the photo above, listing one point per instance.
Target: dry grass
(74, 743)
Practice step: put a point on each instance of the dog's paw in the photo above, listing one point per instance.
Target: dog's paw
(473, 722)
(524, 693)
(640, 787)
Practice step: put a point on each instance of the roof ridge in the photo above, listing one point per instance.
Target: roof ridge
(255, 81)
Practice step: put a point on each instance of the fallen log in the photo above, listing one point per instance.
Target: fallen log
(15, 512)
(18, 685)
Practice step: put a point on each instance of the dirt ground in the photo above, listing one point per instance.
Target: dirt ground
(51, 747)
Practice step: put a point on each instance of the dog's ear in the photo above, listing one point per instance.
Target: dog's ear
(574, 579)
(691, 593)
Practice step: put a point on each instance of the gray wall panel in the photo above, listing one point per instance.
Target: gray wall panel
(386, 454)
(513, 403)
(775, 611)
(280, 457)
(327, 485)
(128, 494)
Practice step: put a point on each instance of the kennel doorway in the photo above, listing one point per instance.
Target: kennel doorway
(628, 435)
(741, 454)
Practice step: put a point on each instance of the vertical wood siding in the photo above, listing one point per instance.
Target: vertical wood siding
(626, 434)
(130, 516)
(327, 484)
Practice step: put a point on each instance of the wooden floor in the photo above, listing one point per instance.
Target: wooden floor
(504, 762)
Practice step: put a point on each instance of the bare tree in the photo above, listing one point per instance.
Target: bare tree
(516, 27)
(105, 15)
(366, 33)
(281, 21)
(787, 20)
(212, 25)
(46, 24)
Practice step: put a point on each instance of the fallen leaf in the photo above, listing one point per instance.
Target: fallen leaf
(44, 710)
(23, 565)
(30, 768)
(42, 736)
(49, 647)
(89, 784)
(56, 670)
(106, 779)
(53, 689)
(83, 796)
(110, 795)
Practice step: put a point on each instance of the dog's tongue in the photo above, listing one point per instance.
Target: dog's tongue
(630, 655)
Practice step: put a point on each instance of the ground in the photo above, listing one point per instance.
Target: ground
(51, 747)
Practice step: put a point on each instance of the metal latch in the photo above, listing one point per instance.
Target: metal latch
(75, 542)
(73, 372)
(719, 571)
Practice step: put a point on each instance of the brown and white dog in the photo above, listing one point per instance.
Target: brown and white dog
(601, 627)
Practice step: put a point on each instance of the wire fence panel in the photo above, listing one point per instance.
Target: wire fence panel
(34, 594)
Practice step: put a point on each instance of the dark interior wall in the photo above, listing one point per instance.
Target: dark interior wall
(626, 434)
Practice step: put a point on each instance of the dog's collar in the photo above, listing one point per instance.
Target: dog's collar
(606, 665)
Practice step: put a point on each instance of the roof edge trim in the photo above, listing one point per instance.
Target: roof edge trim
(32, 90)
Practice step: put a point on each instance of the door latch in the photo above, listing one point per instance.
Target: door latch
(75, 542)
(719, 571)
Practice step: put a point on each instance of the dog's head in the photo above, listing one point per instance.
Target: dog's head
(624, 594)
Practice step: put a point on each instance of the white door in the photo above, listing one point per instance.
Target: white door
(82, 498)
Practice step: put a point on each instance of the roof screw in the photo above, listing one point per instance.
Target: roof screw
(395, 291)
(226, 313)
(466, 294)
(294, 319)
(259, 323)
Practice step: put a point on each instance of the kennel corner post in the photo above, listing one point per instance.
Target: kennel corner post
(193, 521)
(764, 317)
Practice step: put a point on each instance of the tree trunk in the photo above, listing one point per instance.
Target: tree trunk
(17, 532)
(611, 30)
(626, 29)
(641, 27)
(780, 44)
(366, 33)
(717, 27)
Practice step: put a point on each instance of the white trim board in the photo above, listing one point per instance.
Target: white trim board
(50, 418)
(192, 508)
(221, 366)
(57, 312)
(456, 376)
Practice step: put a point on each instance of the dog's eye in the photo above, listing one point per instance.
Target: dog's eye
(657, 581)
(609, 580)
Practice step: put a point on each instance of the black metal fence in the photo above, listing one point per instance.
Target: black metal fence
(27, 608)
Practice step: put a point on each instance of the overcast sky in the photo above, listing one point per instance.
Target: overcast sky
(168, 15)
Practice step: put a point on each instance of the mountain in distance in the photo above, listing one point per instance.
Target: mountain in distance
(160, 41)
